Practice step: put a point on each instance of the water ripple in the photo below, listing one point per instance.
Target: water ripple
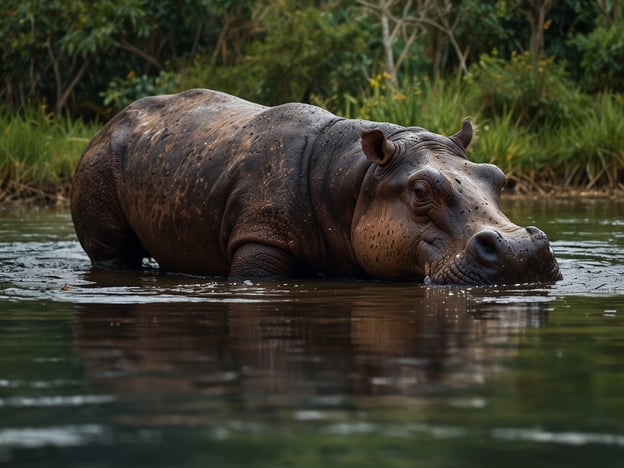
(59, 436)
(60, 400)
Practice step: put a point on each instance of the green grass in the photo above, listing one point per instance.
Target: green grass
(38, 154)
(438, 106)
(591, 151)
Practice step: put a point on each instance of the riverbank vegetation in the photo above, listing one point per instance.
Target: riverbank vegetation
(540, 79)
(38, 154)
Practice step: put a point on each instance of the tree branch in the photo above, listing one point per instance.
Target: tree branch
(136, 51)
(60, 103)
(57, 72)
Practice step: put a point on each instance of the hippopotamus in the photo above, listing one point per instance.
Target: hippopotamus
(213, 185)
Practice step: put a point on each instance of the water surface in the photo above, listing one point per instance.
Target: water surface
(146, 369)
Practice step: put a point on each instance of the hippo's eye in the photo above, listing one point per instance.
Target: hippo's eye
(428, 190)
(421, 191)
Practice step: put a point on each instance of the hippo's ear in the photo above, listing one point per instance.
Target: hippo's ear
(377, 147)
(464, 136)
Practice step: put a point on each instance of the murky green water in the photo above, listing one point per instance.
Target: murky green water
(127, 369)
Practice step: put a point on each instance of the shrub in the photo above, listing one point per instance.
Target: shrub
(590, 152)
(306, 54)
(584, 152)
(534, 92)
(438, 106)
(514, 149)
(603, 58)
(38, 153)
(504, 143)
(123, 91)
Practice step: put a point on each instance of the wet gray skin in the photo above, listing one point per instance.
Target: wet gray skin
(209, 184)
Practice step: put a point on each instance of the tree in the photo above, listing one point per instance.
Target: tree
(535, 12)
(602, 56)
(306, 52)
(61, 41)
(75, 49)
(405, 22)
(610, 11)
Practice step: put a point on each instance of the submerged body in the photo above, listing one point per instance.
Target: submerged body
(210, 184)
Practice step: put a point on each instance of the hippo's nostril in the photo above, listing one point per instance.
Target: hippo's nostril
(486, 245)
(534, 232)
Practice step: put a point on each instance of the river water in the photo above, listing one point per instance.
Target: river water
(145, 369)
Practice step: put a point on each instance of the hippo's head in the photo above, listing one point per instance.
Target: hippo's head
(426, 213)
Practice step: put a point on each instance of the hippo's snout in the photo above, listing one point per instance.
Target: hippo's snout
(523, 256)
(491, 257)
(491, 247)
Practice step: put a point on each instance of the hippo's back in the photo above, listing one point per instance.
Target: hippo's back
(188, 178)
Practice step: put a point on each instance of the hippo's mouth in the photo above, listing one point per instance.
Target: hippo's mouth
(464, 273)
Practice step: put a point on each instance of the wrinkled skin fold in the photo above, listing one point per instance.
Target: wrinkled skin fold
(209, 184)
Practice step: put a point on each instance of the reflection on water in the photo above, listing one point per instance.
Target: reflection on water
(354, 345)
(143, 369)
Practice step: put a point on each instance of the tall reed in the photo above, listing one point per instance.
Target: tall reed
(438, 106)
(38, 154)
(590, 153)
(567, 154)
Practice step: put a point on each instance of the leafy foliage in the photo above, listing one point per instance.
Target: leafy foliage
(490, 23)
(590, 152)
(436, 105)
(122, 92)
(304, 53)
(38, 153)
(535, 92)
(61, 42)
(549, 116)
(603, 58)
(80, 53)
(75, 49)
(584, 150)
